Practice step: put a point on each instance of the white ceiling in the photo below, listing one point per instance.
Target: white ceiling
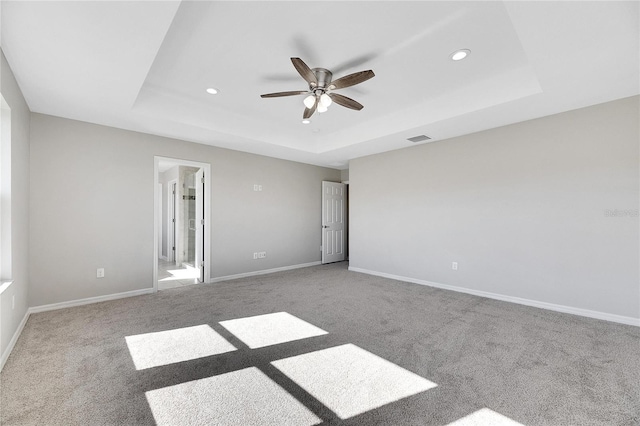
(145, 65)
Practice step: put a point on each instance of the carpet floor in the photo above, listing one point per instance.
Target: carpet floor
(319, 345)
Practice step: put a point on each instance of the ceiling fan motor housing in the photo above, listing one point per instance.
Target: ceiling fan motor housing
(324, 79)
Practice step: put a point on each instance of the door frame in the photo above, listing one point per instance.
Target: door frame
(160, 216)
(207, 214)
(201, 229)
(171, 214)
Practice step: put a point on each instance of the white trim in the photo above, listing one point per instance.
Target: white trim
(171, 210)
(534, 303)
(62, 305)
(160, 216)
(5, 189)
(5, 285)
(263, 272)
(89, 300)
(14, 340)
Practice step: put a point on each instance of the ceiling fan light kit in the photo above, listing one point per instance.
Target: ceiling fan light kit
(309, 101)
(321, 86)
(325, 100)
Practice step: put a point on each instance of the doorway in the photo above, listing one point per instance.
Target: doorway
(334, 222)
(182, 236)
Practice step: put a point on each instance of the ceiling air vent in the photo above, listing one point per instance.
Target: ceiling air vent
(419, 138)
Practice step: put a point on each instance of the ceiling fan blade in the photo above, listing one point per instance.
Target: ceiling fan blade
(305, 71)
(345, 102)
(279, 94)
(308, 112)
(351, 79)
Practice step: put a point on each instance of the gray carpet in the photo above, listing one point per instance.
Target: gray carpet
(536, 367)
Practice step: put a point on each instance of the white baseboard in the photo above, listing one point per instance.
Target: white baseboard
(89, 300)
(5, 285)
(262, 272)
(14, 339)
(534, 303)
(62, 305)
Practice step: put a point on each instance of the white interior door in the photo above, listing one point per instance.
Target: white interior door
(171, 221)
(200, 223)
(333, 211)
(160, 235)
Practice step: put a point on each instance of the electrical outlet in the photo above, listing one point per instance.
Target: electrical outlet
(454, 266)
(257, 187)
(262, 254)
(100, 273)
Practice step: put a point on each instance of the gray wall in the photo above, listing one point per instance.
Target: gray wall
(522, 208)
(92, 206)
(20, 117)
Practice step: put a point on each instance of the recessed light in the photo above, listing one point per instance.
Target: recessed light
(460, 54)
(212, 91)
(305, 121)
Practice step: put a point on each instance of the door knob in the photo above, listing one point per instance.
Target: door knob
(325, 226)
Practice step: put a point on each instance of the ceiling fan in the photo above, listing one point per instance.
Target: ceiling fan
(321, 87)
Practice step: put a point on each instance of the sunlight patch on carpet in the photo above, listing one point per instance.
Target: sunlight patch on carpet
(171, 346)
(182, 274)
(243, 397)
(350, 380)
(485, 417)
(271, 329)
